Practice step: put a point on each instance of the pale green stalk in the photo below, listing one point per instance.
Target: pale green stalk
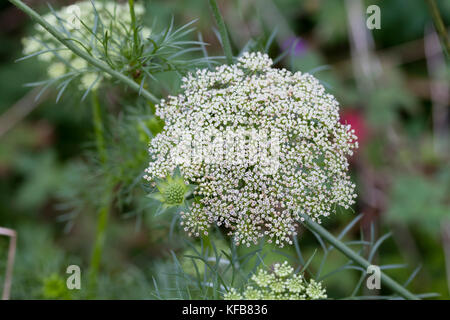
(223, 31)
(103, 212)
(440, 26)
(98, 126)
(100, 236)
(385, 279)
(133, 24)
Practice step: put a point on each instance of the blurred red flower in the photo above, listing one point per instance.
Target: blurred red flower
(355, 118)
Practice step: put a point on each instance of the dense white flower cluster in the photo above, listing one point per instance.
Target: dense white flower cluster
(311, 155)
(77, 22)
(281, 284)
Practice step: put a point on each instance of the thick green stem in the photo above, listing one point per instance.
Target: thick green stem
(385, 279)
(207, 244)
(100, 235)
(102, 219)
(440, 26)
(98, 126)
(82, 54)
(222, 30)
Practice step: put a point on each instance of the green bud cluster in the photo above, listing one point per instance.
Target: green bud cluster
(174, 194)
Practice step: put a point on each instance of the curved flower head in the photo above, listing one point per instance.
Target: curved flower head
(232, 294)
(79, 21)
(280, 284)
(261, 144)
(283, 270)
(263, 278)
(315, 290)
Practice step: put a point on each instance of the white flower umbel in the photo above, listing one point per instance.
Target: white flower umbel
(78, 22)
(311, 175)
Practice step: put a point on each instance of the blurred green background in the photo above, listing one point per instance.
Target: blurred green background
(393, 86)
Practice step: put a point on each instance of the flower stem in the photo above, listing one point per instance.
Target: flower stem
(385, 279)
(222, 30)
(207, 244)
(102, 219)
(439, 25)
(100, 235)
(82, 54)
(133, 25)
(98, 126)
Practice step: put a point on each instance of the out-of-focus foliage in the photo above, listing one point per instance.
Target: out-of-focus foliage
(52, 179)
(422, 201)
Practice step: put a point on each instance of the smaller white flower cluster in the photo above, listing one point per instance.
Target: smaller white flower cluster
(281, 284)
(77, 22)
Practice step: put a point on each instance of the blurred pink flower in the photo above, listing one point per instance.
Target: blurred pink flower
(295, 45)
(355, 118)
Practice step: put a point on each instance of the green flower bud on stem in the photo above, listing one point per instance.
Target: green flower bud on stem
(173, 191)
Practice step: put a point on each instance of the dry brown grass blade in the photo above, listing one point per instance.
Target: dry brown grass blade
(10, 264)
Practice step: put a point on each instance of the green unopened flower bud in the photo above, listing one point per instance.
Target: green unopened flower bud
(172, 191)
(174, 194)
